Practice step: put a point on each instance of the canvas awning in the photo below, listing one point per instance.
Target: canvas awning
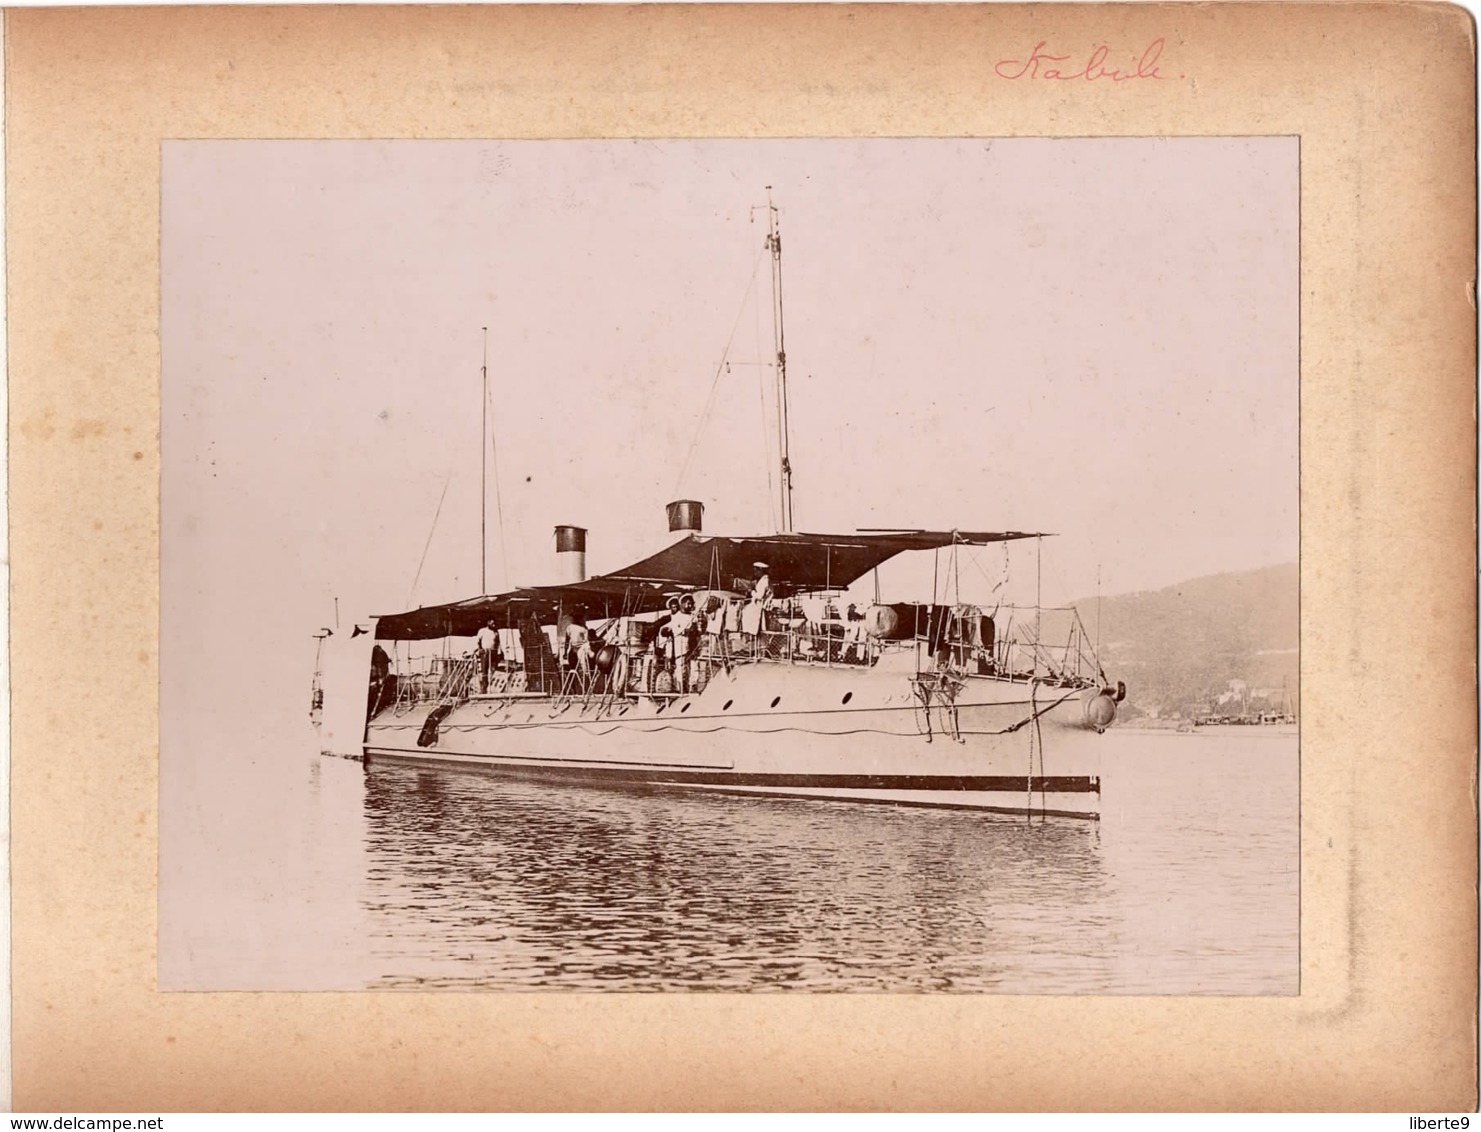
(794, 563)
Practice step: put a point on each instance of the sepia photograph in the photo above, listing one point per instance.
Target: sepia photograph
(807, 565)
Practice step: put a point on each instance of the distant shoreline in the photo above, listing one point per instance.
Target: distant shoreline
(1273, 731)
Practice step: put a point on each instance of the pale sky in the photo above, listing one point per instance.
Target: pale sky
(1096, 338)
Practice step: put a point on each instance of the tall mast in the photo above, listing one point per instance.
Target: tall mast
(774, 245)
(483, 476)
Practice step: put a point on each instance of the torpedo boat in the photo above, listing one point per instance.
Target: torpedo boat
(731, 664)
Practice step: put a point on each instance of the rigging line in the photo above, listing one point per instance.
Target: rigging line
(956, 569)
(1039, 733)
(446, 480)
(765, 432)
(715, 381)
(498, 500)
(972, 558)
(996, 586)
(976, 564)
(1028, 808)
(1038, 596)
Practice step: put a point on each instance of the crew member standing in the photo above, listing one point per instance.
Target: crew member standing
(685, 635)
(752, 619)
(488, 654)
(662, 659)
(854, 634)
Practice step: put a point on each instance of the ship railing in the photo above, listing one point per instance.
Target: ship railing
(1020, 652)
(457, 680)
(418, 683)
(503, 683)
(1047, 641)
(412, 690)
(800, 644)
(445, 679)
(646, 673)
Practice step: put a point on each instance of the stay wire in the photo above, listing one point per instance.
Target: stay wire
(498, 497)
(715, 381)
(446, 480)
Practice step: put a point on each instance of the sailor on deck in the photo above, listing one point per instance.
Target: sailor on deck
(573, 639)
(713, 613)
(608, 660)
(488, 654)
(853, 634)
(751, 615)
(684, 629)
(662, 659)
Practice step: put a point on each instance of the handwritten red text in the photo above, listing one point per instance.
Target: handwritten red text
(1040, 64)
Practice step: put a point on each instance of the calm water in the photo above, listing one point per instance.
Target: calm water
(390, 877)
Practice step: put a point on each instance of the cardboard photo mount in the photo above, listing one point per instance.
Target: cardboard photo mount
(1381, 97)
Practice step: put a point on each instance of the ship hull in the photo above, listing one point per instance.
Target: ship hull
(783, 732)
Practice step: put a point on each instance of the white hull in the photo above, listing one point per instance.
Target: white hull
(841, 733)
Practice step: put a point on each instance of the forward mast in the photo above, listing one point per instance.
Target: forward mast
(779, 337)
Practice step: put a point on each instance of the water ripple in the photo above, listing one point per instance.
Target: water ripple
(1188, 885)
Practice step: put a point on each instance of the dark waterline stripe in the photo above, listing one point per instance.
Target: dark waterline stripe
(1065, 784)
(640, 785)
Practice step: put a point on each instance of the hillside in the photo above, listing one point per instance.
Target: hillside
(1182, 646)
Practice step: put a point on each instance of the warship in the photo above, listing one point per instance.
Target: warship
(736, 664)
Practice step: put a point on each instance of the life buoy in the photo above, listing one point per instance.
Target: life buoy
(1100, 710)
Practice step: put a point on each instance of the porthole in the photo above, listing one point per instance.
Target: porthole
(726, 705)
(776, 701)
(847, 696)
(660, 709)
(683, 709)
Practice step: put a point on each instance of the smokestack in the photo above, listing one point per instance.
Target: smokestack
(686, 515)
(570, 555)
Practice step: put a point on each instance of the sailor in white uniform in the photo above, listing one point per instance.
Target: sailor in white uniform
(488, 654)
(684, 636)
(751, 615)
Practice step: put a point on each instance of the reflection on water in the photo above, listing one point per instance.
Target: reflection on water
(1188, 885)
(287, 873)
(503, 884)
